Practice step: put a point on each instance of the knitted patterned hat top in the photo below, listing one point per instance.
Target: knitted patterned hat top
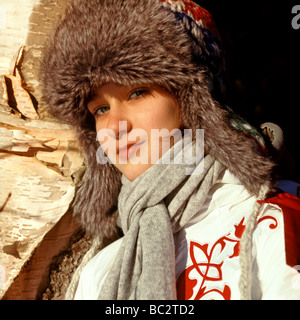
(202, 30)
(169, 43)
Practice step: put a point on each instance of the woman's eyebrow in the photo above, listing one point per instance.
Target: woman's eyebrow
(91, 103)
(92, 96)
(93, 100)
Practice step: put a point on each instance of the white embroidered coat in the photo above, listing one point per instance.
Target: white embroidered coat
(207, 251)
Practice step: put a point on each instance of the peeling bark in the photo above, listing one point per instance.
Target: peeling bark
(38, 160)
(39, 157)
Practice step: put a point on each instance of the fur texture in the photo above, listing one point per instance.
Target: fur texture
(136, 42)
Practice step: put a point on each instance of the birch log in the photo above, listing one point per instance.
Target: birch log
(39, 157)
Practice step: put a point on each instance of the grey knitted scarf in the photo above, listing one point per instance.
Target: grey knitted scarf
(152, 208)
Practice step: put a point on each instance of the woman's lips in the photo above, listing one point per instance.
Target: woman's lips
(127, 151)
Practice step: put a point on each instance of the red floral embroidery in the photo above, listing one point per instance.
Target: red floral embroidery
(290, 206)
(272, 225)
(208, 270)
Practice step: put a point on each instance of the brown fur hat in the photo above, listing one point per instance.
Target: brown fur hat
(173, 44)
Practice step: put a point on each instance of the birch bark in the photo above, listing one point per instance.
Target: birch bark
(39, 157)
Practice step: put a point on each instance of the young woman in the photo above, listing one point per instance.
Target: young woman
(121, 72)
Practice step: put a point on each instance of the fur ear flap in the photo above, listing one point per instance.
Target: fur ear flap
(95, 204)
(233, 148)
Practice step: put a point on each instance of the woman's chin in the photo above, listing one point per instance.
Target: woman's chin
(132, 171)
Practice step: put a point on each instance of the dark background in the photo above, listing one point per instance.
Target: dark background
(263, 61)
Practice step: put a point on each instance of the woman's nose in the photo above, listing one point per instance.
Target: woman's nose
(118, 123)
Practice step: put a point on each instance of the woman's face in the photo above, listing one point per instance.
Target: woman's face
(125, 118)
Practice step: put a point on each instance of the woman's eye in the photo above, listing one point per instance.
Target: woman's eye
(101, 110)
(137, 94)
